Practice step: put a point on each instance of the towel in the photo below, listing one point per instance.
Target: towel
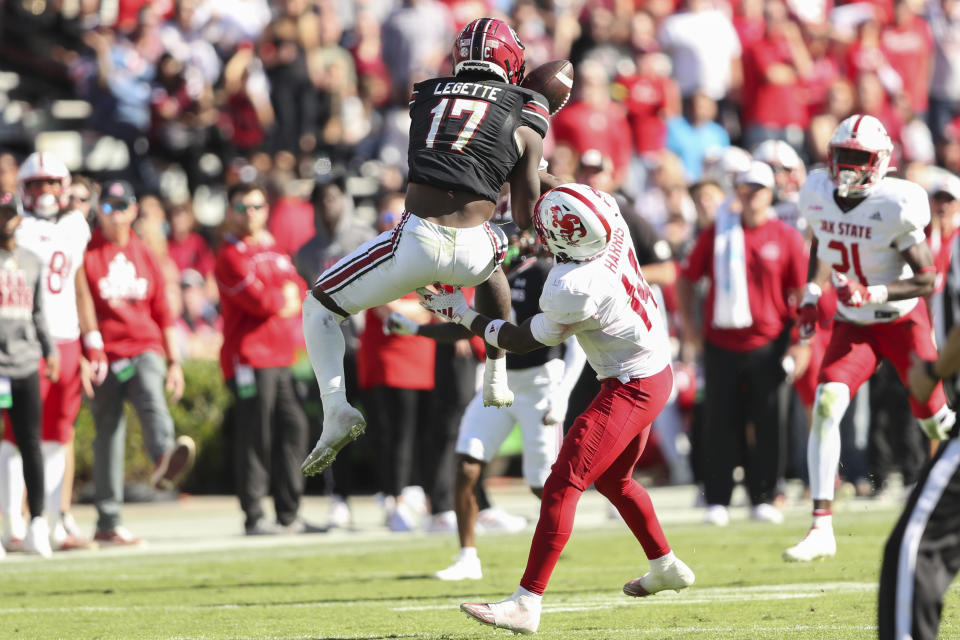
(731, 300)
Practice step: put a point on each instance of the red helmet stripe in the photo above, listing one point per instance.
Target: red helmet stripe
(582, 198)
(856, 125)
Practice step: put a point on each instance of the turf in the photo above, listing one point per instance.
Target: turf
(382, 589)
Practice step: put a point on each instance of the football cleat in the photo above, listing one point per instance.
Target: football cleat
(717, 514)
(496, 519)
(520, 614)
(766, 512)
(676, 576)
(462, 569)
(818, 543)
(344, 426)
(38, 538)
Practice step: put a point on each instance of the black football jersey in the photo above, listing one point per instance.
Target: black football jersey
(526, 285)
(461, 133)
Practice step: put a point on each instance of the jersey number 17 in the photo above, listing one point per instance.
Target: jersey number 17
(477, 110)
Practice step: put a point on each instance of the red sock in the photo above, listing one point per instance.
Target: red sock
(557, 509)
(633, 503)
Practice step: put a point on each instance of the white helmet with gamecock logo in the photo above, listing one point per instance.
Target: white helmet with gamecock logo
(43, 165)
(575, 221)
(858, 155)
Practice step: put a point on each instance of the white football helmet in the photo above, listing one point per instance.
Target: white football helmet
(789, 170)
(44, 165)
(575, 221)
(858, 155)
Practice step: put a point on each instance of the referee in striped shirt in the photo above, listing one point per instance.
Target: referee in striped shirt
(922, 555)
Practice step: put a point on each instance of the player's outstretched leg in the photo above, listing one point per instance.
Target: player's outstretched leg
(666, 572)
(823, 458)
(342, 423)
(519, 613)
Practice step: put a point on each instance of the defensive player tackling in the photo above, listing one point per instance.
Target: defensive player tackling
(596, 293)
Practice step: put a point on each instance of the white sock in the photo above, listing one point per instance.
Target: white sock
(325, 348)
(523, 593)
(661, 563)
(54, 466)
(823, 522)
(12, 488)
(823, 446)
(468, 553)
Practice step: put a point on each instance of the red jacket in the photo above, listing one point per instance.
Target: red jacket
(128, 294)
(250, 278)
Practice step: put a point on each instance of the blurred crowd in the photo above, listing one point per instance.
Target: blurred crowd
(309, 98)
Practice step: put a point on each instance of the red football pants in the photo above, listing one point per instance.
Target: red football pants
(602, 448)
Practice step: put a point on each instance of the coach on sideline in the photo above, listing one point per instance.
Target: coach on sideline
(923, 552)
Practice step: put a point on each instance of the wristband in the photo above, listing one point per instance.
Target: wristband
(928, 369)
(877, 293)
(492, 332)
(811, 294)
(467, 317)
(93, 340)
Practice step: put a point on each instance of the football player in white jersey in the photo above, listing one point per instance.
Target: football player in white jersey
(596, 293)
(869, 237)
(58, 235)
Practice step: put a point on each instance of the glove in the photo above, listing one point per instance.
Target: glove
(398, 324)
(938, 429)
(557, 409)
(449, 306)
(855, 294)
(807, 321)
(94, 353)
(496, 393)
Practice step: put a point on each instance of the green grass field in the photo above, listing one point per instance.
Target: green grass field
(380, 587)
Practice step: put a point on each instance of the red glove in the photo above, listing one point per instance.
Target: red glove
(854, 294)
(93, 352)
(807, 322)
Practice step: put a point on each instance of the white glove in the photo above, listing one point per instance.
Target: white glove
(400, 325)
(496, 393)
(557, 409)
(449, 306)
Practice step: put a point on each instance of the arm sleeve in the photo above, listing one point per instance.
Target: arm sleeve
(237, 282)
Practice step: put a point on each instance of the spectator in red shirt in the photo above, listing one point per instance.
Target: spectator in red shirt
(594, 121)
(651, 98)
(745, 336)
(260, 298)
(291, 217)
(908, 45)
(129, 297)
(773, 69)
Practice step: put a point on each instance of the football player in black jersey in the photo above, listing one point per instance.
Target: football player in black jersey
(469, 134)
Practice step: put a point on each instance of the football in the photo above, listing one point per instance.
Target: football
(553, 80)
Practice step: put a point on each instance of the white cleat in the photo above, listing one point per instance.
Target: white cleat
(462, 569)
(37, 539)
(818, 543)
(520, 614)
(496, 519)
(717, 515)
(676, 576)
(765, 512)
(344, 425)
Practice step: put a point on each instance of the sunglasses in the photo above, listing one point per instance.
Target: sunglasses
(109, 207)
(243, 208)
